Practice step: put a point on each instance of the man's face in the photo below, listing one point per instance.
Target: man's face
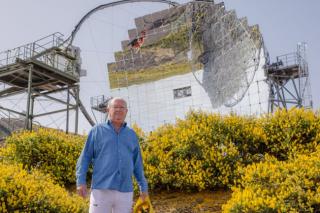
(117, 112)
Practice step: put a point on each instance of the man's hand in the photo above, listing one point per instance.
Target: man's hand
(82, 190)
(143, 196)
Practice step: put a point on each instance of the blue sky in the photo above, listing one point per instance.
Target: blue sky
(283, 24)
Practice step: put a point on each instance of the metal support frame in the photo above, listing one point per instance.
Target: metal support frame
(68, 108)
(53, 112)
(32, 95)
(13, 111)
(55, 99)
(77, 108)
(31, 111)
(288, 80)
(284, 94)
(67, 103)
(99, 105)
(34, 69)
(28, 113)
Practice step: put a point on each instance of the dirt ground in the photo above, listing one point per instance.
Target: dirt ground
(182, 202)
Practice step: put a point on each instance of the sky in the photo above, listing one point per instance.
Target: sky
(283, 24)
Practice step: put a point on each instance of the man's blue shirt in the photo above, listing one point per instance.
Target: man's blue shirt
(115, 158)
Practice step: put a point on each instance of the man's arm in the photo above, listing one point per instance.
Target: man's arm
(139, 173)
(83, 164)
(82, 190)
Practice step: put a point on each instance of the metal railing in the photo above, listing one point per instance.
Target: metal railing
(291, 59)
(48, 50)
(30, 50)
(99, 102)
(288, 60)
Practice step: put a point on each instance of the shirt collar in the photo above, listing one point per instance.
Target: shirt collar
(124, 124)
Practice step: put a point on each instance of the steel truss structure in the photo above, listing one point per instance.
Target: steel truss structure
(288, 80)
(40, 69)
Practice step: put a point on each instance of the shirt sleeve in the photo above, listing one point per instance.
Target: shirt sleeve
(85, 159)
(138, 168)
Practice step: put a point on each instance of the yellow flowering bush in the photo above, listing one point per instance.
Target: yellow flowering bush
(51, 151)
(140, 134)
(22, 191)
(279, 186)
(206, 150)
(201, 152)
(291, 132)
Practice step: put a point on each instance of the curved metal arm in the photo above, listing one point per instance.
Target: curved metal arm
(103, 6)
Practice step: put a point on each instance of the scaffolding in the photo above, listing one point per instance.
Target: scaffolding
(40, 69)
(288, 80)
(99, 104)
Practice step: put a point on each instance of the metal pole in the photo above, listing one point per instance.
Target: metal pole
(29, 97)
(52, 112)
(12, 111)
(68, 101)
(284, 98)
(297, 92)
(278, 94)
(31, 112)
(271, 96)
(33, 49)
(51, 98)
(77, 109)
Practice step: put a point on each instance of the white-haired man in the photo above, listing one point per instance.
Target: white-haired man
(114, 151)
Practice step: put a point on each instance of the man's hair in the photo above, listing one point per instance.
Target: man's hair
(112, 100)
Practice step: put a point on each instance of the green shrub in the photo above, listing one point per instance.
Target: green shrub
(22, 191)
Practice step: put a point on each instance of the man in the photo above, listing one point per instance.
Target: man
(114, 151)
